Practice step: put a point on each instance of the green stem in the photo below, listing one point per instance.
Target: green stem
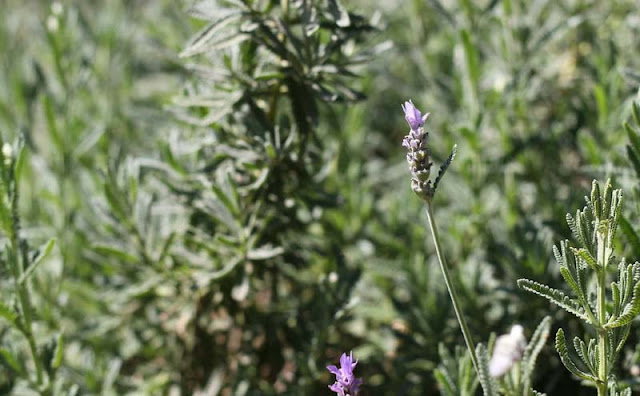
(25, 308)
(22, 291)
(603, 369)
(452, 291)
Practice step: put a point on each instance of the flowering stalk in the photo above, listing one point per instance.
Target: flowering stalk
(420, 166)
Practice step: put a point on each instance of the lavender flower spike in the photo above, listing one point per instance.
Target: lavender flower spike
(418, 152)
(413, 115)
(346, 384)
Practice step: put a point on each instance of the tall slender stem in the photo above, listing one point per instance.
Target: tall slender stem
(17, 269)
(452, 291)
(603, 369)
(602, 337)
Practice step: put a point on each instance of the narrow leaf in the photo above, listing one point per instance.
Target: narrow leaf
(115, 252)
(264, 252)
(561, 347)
(201, 42)
(538, 339)
(486, 381)
(555, 296)
(9, 314)
(11, 361)
(58, 354)
(445, 166)
(631, 310)
(44, 252)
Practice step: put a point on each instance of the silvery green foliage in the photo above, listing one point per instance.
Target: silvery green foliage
(455, 374)
(518, 380)
(247, 169)
(585, 270)
(30, 351)
(633, 157)
(72, 83)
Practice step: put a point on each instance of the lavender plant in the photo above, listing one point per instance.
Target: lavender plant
(510, 369)
(455, 374)
(585, 269)
(248, 170)
(421, 184)
(29, 358)
(633, 158)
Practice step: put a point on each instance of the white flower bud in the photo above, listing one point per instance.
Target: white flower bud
(508, 350)
(333, 277)
(52, 23)
(56, 8)
(7, 153)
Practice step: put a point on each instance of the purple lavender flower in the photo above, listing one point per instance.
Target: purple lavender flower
(418, 152)
(346, 384)
(413, 115)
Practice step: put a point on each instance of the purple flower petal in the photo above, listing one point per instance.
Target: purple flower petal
(346, 383)
(412, 115)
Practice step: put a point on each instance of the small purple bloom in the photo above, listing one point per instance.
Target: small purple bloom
(412, 115)
(346, 384)
(418, 152)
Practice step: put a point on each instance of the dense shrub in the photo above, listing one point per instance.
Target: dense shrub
(215, 197)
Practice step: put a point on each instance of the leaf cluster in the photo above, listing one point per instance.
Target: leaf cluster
(594, 228)
(519, 379)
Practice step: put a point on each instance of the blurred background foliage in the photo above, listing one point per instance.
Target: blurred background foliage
(231, 205)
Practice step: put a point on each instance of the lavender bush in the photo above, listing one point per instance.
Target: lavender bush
(232, 212)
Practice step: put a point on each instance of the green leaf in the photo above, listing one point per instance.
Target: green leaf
(226, 270)
(206, 40)
(339, 13)
(264, 252)
(575, 230)
(231, 205)
(622, 338)
(58, 354)
(561, 347)
(535, 345)
(615, 296)
(9, 314)
(634, 137)
(471, 58)
(601, 102)
(583, 353)
(445, 166)
(555, 296)
(11, 361)
(44, 252)
(486, 381)
(50, 118)
(116, 203)
(564, 271)
(585, 256)
(116, 253)
(635, 111)
(445, 383)
(20, 161)
(631, 310)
